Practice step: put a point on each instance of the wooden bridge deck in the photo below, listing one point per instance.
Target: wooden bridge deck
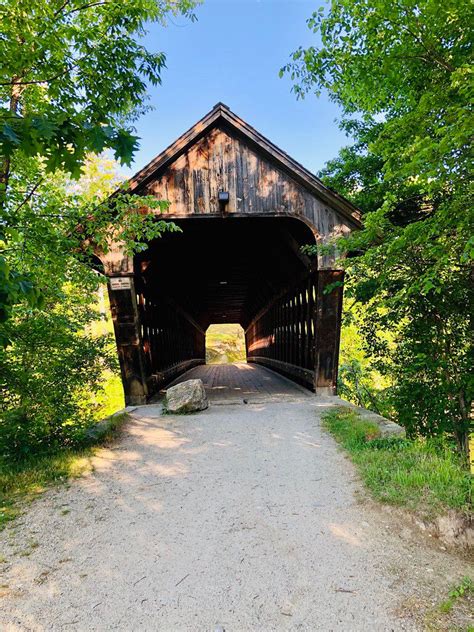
(233, 383)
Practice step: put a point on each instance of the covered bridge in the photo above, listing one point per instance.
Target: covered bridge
(245, 208)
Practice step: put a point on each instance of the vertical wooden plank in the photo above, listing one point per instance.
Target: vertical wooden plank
(309, 317)
(125, 317)
(205, 150)
(245, 208)
(299, 327)
(328, 327)
(239, 177)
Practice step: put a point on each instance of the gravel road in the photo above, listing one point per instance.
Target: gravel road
(242, 517)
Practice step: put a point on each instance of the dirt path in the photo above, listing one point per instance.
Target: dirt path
(238, 518)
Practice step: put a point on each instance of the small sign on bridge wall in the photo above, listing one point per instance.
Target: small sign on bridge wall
(120, 283)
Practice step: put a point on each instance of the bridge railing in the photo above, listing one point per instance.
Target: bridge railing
(282, 335)
(297, 333)
(172, 341)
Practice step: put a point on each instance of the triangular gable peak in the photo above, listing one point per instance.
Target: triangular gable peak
(223, 153)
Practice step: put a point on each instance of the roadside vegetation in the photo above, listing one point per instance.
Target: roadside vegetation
(23, 479)
(425, 476)
(453, 612)
(402, 74)
(73, 79)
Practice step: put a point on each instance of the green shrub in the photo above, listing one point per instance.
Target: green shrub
(50, 375)
(422, 475)
(399, 71)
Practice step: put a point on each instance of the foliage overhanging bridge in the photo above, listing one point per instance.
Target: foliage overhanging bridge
(245, 209)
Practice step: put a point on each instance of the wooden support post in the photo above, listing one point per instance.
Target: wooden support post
(328, 331)
(123, 304)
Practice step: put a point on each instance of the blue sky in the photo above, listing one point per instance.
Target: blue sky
(233, 54)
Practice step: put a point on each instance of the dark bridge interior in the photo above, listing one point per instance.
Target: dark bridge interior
(224, 270)
(239, 270)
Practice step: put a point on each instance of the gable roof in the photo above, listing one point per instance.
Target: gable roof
(221, 116)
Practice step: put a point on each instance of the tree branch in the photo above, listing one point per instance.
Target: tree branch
(432, 55)
(87, 6)
(39, 81)
(29, 195)
(64, 4)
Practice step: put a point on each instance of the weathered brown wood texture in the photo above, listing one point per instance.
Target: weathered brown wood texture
(282, 335)
(126, 322)
(172, 341)
(220, 162)
(230, 265)
(328, 325)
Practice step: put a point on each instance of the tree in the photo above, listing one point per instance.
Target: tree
(73, 78)
(402, 73)
(74, 75)
(53, 357)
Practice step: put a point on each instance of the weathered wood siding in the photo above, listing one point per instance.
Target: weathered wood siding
(222, 162)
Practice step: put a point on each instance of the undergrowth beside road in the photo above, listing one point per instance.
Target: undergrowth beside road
(454, 612)
(24, 479)
(424, 476)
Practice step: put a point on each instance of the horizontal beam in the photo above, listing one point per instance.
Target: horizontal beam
(162, 378)
(302, 375)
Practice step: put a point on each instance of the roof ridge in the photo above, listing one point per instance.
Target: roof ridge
(219, 104)
(222, 112)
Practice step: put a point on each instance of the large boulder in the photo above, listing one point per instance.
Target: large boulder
(186, 397)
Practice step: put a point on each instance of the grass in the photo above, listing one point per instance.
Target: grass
(454, 612)
(422, 476)
(464, 589)
(22, 481)
(112, 397)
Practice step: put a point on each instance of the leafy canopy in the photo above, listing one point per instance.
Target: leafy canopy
(402, 72)
(74, 75)
(73, 78)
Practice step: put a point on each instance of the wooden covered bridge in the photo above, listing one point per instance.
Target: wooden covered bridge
(245, 208)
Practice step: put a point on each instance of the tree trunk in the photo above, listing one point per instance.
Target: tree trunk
(6, 162)
(463, 431)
